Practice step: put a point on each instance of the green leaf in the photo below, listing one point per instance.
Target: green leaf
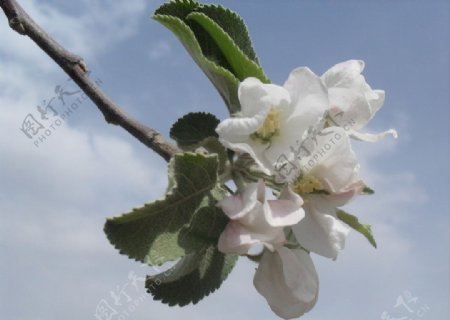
(156, 232)
(368, 191)
(353, 222)
(192, 278)
(240, 64)
(194, 128)
(218, 41)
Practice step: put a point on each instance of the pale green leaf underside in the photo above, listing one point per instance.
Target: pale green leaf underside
(353, 222)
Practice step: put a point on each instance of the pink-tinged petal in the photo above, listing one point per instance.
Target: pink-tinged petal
(235, 238)
(370, 137)
(320, 231)
(285, 211)
(240, 238)
(237, 206)
(342, 198)
(288, 281)
(255, 95)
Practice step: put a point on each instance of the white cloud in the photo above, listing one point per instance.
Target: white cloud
(95, 28)
(160, 50)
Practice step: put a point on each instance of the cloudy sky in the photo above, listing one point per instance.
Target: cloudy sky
(55, 262)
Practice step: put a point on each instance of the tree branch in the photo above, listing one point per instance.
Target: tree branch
(76, 68)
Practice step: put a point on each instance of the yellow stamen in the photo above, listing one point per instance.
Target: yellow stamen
(270, 127)
(307, 184)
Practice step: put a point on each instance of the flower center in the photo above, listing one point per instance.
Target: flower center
(270, 127)
(307, 184)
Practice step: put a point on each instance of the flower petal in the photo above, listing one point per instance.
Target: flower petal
(308, 95)
(349, 108)
(346, 74)
(238, 129)
(255, 95)
(239, 238)
(237, 206)
(333, 161)
(376, 100)
(320, 231)
(286, 210)
(343, 197)
(235, 238)
(370, 137)
(288, 281)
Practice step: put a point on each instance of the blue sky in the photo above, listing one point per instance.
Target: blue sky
(55, 260)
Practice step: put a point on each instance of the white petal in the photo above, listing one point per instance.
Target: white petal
(255, 149)
(349, 108)
(288, 281)
(376, 100)
(238, 129)
(320, 231)
(333, 161)
(309, 96)
(255, 95)
(369, 137)
(344, 74)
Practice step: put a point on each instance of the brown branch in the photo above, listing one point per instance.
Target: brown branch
(76, 68)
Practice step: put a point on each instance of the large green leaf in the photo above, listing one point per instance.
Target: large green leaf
(192, 278)
(353, 222)
(218, 41)
(161, 231)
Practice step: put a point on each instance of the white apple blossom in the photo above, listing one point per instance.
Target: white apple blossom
(272, 117)
(353, 103)
(328, 178)
(288, 280)
(255, 220)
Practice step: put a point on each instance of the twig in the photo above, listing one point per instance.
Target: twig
(76, 68)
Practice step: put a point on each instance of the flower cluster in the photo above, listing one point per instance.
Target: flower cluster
(299, 135)
(268, 183)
